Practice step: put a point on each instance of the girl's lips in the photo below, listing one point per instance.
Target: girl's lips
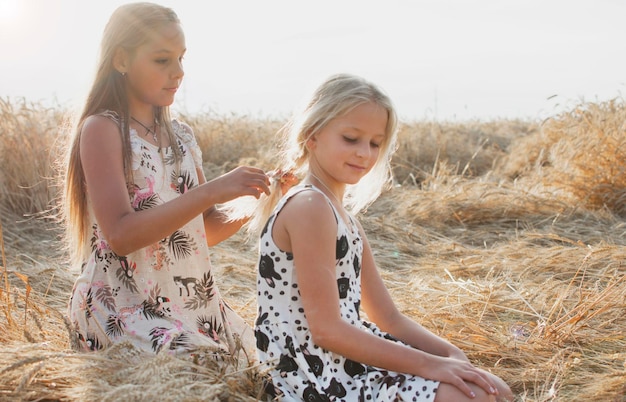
(356, 167)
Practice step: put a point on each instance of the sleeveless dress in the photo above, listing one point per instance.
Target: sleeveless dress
(299, 369)
(162, 297)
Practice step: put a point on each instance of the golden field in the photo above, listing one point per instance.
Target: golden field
(506, 237)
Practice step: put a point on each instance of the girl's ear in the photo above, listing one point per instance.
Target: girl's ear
(120, 60)
(311, 142)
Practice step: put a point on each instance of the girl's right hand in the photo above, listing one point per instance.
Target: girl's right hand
(241, 181)
(459, 372)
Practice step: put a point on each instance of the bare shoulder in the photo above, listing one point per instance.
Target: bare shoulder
(309, 202)
(100, 141)
(306, 218)
(308, 210)
(98, 128)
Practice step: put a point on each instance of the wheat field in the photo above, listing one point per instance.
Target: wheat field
(506, 237)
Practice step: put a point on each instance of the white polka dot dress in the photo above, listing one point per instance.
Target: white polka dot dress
(299, 369)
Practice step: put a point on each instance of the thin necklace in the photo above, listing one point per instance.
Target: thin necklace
(347, 220)
(326, 187)
(149, 130)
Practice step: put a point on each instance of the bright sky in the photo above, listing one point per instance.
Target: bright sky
(437, 59)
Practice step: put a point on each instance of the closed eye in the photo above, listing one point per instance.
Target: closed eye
(167, 60)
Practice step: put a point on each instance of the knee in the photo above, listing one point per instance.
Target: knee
(450, 393)
(504, 391)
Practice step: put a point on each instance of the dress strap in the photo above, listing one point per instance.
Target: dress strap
(303, 187)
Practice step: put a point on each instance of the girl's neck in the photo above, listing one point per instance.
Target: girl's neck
(151, 129)
(143, 112)
(336, 195)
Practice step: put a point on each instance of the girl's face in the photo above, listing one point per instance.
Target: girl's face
(155, 71)
(347, 148)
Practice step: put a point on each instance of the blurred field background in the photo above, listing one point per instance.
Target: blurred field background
(506, 237)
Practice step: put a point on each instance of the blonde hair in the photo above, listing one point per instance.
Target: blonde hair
(336, 96)
(129, 27)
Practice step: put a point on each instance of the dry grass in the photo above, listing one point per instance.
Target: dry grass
(506, 237)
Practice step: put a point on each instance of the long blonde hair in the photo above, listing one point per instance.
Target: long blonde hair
(336, 96)
(129, 27)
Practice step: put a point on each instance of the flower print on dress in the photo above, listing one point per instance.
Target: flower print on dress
(150, 159)
(154, 306)
(210, 327)
(125, 273)
(90, 340)
(181, 245)
(145, 198)
(100, 249)
(171, 338)
(117, 322)
(181, 182)
(104, 294)
(204, 293)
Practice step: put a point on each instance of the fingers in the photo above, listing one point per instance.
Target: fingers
(286, 180)
(258, 182)
(477, 377)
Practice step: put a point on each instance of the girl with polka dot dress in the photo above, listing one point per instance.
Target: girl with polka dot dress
(316, 270)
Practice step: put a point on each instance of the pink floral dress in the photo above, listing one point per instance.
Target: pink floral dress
(163, 297)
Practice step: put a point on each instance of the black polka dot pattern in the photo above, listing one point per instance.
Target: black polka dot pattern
(300, 370)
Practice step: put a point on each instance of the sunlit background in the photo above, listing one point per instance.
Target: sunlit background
(439, 59)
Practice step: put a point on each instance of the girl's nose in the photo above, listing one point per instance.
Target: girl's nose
(179, 71)
(363, 151)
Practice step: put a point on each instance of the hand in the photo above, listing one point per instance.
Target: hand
(242, 181)
(458, 354)
(286, 180)
(458, 373)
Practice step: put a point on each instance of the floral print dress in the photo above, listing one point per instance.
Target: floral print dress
(299, 369)
(162, 297)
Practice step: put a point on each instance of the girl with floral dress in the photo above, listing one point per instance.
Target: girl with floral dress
(140, 212)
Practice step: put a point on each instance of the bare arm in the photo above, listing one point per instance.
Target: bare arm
(216, 225)
(311, 228)
(380, 308)
(127, 230)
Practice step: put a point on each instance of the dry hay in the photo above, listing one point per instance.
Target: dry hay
(471, 148)
(527, 277)
(28, 155)
(39, 363)
(530, 286)
(248, 139)
(581, 153)
(118, 373)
